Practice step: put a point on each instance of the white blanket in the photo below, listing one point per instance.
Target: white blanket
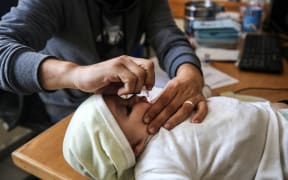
(237, 140)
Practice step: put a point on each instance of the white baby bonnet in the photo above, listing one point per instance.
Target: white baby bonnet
(95, 146)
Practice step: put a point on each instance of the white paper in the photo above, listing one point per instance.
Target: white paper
(217, 54)
(161, 77)
(215, 78)
(212, 76)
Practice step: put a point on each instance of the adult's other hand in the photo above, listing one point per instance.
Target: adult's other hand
(181, 96)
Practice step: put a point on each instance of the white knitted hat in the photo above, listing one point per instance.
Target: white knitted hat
(95, 146)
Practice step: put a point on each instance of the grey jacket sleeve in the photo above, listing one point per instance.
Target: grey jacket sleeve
(171, 45)
(24, 31)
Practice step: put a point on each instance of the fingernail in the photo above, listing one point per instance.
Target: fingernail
(147, 119)
(152, 130)
(195, 121)
(167, 126)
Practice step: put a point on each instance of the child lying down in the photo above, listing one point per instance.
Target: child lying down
(107, 139)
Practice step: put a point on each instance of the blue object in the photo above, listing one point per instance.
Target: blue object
(252, 19)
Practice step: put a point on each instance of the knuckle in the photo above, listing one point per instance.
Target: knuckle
(131, 80)
(157, 123)
(153, 112)
(169, 110)
(165, 115)
(203, 105)
(161, 120)
(200, 98)
(141, 73)
(174, 84)
(162, 103)
(186, 109)
(150, 65)
(116, 63)
(124, 57)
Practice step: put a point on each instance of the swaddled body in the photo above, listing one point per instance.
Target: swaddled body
(236, 141)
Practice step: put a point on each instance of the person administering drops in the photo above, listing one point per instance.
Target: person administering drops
(66, 50)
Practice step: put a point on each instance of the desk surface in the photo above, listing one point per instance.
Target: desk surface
(42, 156)
(256, 79)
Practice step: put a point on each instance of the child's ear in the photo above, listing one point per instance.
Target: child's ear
(139, 147)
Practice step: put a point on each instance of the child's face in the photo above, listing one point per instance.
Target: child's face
(129, 115)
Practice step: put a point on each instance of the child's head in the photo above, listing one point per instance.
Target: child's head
(105, 134)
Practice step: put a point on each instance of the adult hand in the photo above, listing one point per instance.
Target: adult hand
(181, 96)
(122, 75)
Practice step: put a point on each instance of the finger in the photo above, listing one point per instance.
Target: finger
(139, 73)
(161, 118)
(158, 104)
(111, 89)
(201, 112)
(129, 80)
(184, 112)
(148, 66)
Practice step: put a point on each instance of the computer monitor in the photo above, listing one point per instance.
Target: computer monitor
(278, 17)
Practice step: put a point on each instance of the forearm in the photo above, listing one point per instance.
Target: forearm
(55, 74)
(174, 52)
(22, 35)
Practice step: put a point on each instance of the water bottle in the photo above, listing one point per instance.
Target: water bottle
(252, 16)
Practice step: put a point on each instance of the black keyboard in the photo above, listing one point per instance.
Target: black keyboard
(261, 53)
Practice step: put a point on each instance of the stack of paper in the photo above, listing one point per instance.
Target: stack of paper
(217, 54)
(217, 33)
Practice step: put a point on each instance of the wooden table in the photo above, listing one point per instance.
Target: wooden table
(255, 79)
(42, 156)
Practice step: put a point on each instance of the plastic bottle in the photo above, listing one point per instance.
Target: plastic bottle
(252, 16)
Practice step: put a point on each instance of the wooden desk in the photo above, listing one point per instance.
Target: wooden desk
(254, 79)
(42, 156)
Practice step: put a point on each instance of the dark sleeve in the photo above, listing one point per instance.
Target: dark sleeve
(23, 32)
(171, 45)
